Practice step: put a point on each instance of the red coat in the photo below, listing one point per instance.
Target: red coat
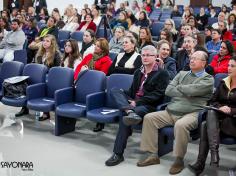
(91, 26)
(222, 66)
(227, 36)
(102, 64)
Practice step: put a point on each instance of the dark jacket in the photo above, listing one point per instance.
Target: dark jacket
(121, 68)
(38, 5)
(56, 61)
(154, 87)
(170, 67)
(226, 97)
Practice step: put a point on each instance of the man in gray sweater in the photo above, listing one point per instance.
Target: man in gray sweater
(189, 91)
(14, 40)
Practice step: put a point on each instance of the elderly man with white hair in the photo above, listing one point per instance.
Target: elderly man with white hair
(189, 92)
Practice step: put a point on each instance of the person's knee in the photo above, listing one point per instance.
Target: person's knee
(179, 125)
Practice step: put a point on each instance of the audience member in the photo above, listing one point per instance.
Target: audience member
(146, 92)
(220, 61)
(116, 42)
(219, 120)
(14, 40)
(181, 112)
(88, 43)
(87, 24)
(129, 60)
(72, 57)
(213, 46)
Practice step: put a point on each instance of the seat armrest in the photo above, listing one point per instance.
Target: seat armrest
(36, 91)
(95, 100)
(64, 95)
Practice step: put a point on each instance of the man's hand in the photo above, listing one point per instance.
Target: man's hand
(132, 103)
(225, 109)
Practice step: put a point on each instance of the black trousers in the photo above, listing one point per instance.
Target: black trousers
(124, 131)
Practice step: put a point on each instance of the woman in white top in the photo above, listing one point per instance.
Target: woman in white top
(88, 43)
(96, 16)
(72, 56)
(71, 23)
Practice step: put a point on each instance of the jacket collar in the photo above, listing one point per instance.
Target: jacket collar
(227, 81)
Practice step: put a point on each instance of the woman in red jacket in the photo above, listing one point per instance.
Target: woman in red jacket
(99, 60)
(221, 60)
(87, 24)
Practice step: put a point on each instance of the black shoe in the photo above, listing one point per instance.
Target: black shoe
(196, 168)
(45, 116)
(23, 111)
(132, 119)
(114, 160)
(99, 127)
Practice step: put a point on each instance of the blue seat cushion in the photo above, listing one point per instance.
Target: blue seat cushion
(73, 109)
(228, 140)
(41, 104)
(104, 115)
(17, 102)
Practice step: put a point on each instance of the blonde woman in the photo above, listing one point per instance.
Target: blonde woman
(48, 53)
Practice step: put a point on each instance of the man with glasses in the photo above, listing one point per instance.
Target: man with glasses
(146, 92)
(189, 91)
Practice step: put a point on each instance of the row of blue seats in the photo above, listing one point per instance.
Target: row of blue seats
(88, 98)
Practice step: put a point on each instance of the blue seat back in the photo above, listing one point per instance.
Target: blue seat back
(121, 81)
(101, 33)
(78, 36)
(89, 82)
(10, 69)
(156, 28)
(212, 20)
(58, 78)
(113, 55)
(63, 35)
(218, 77)
(36, 72)
(20, 56)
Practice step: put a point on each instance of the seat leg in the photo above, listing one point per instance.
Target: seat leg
(64, 125)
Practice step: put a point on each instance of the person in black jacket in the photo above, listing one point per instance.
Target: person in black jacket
(129, 60)
(38, 5)
(146, 92)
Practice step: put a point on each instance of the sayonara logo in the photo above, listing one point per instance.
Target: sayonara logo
(25, 166)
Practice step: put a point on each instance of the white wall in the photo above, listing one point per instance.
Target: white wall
(214, 2)
(1, 5)
(62, 4)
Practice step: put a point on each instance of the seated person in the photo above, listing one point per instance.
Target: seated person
(221, 120)
(143, 20)
(121, 21)
(98, 60)
(145, 38)
(213, 46)
(220, 62)
(189, 90)
(164, 60)
(71, 57)
(116, 42)
(34, 45)
(87, 46)
(87, 24)
(14, 40)
(128, 61)
(146, 92)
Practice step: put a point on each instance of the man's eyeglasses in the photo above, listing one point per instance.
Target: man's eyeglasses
(147, 55)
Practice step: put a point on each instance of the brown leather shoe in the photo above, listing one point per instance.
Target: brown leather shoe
(151, 160)
(176, 168)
